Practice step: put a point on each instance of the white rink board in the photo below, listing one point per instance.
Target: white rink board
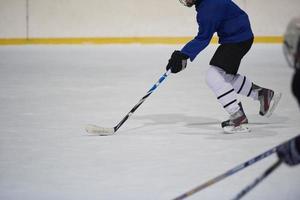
(127, 18)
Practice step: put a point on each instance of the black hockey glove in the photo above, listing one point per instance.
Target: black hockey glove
(289, 152)
(177, 62)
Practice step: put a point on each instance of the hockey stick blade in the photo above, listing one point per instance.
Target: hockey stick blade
(97, 130)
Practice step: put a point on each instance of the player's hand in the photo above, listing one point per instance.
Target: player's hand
(177, 62)
(289, 153)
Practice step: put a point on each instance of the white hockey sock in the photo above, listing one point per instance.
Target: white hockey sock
(223, 90)
(241, 85)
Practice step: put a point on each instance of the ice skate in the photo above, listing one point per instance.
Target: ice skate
(236, 123)
(230, 123)
(268, 101)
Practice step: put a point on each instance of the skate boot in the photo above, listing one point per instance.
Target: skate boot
(268, 100)
(235, 124)
(230, 123)
(265, 96)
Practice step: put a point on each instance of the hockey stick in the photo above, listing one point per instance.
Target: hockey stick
(258, 180)
(228, 173)
(94, 129)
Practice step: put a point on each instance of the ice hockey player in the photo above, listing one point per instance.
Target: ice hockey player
(232, 25)
(296, 85)
(289, 152)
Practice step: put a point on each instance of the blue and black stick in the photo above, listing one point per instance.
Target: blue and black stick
(227, 174)
(109, 131)
(237, 169)
(258, 180)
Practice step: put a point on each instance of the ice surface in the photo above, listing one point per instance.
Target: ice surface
(171, 144)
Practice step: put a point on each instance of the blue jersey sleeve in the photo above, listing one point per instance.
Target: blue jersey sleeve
(207, 28)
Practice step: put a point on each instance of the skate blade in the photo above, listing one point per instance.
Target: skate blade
(274, 102)
(238, 129)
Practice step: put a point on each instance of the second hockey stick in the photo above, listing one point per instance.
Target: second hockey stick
(258, 180)
(235, 170)
(94, 129)
(227, 174)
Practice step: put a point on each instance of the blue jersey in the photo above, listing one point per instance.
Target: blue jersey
(222, 17)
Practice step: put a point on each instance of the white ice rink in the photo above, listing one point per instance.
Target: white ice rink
(171, 144)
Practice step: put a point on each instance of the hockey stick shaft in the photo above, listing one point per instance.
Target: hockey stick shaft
(233, 171)
(228, 173)
(258, 180)
(161, 79)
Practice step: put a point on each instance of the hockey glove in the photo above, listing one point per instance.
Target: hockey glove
(289, 152)
(177, 62)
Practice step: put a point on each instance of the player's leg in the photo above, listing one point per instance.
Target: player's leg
(243, 86)
(227, 59)
(226, 96)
